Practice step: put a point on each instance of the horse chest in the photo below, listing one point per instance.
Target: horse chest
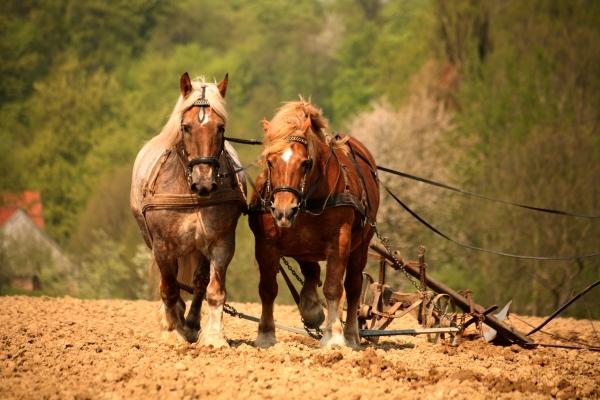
(182, 231)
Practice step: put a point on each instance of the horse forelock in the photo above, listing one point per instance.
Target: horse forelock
(290, 120)
(169, 135)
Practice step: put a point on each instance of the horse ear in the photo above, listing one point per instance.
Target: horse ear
(185, 85)
(223, 85)
(265, 124)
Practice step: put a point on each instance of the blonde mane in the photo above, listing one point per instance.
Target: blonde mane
(289, 120)
(170, 132)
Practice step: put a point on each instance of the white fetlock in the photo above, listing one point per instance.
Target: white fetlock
(215, 340)
(329, 341)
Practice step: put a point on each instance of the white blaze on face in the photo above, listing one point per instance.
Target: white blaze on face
(287, 155)
(207, 113)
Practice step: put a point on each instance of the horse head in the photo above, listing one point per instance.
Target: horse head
(202, 133)
(288, 170)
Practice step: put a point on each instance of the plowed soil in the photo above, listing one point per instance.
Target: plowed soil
(69, 348)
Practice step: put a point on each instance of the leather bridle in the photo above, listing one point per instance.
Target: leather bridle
(213, 161)
(300, 193)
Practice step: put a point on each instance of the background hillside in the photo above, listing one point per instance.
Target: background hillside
(501, 98)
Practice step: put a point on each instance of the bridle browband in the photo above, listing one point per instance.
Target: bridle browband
(299, 193)
(203, 103)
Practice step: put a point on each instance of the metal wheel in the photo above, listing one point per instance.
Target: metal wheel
(441, 313)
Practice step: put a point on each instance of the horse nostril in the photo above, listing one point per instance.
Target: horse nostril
(213, 186)
(194, 188)
(278, 214)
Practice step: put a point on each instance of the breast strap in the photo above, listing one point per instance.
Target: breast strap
(165, 201)
(189, 201)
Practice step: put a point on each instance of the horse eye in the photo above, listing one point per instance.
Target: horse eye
(221, 129)
(307, 164)
(269, 163)
(186, 128)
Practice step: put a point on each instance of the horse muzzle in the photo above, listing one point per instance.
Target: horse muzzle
(203, 179)
(286, 216)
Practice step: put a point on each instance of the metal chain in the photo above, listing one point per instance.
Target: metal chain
(386, 243)
(292, 270)
(315, 333)
(229, 309)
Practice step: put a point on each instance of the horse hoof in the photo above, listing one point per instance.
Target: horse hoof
(329, 341)
(314, 317)
(265, 340)
(215, 341)
(352, 342)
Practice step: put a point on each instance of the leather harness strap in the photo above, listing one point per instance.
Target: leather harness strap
(176, 201)
(151, 182)
(337, 200)
(182, 201)
(317, 206)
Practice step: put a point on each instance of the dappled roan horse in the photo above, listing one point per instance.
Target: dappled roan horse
(187, 198)
(317, 199)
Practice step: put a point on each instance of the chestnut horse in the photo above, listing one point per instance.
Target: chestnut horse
(187, 199)
(317, 199)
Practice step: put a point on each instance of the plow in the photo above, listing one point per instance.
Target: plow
(443, 313)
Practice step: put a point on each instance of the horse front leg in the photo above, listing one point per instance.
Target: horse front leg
(216, 294)
(333, 289)
(268, 265)
(353, 286)
(201, 280)
(310, 305)
(173, 306)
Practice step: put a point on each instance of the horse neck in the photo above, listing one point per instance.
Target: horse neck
(172, 177)
(325, 172)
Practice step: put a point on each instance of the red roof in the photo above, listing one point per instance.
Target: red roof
(29, 201)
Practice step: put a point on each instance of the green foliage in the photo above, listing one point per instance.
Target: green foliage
(85, 84)
(104, 272)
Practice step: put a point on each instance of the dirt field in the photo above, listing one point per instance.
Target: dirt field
(69, 348)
